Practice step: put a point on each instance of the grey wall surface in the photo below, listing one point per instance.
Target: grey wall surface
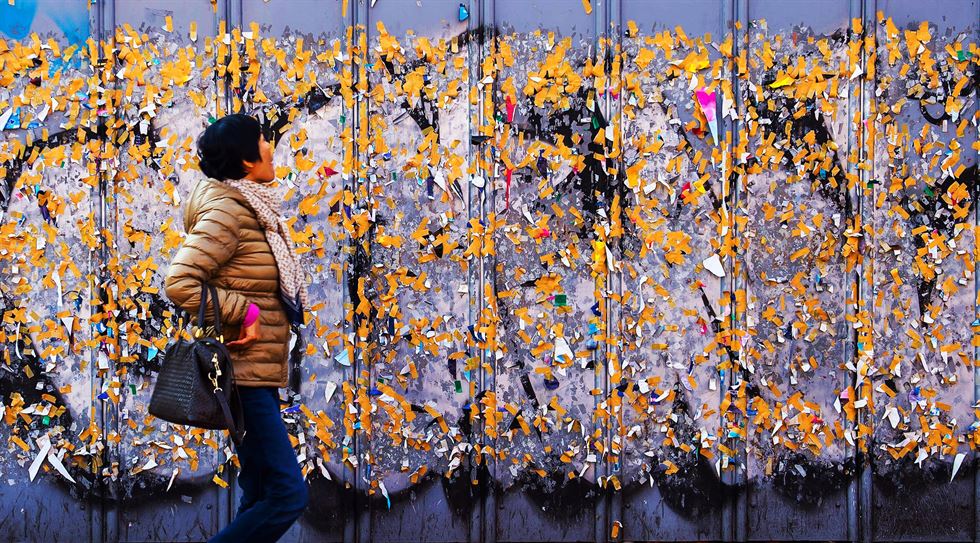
(821, 387)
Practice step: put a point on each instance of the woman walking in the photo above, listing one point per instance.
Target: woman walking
(238, 242)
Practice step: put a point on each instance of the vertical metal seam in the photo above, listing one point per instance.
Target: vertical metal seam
(726, 505)
(99, 408)
(215, 23)
(614, 31)
(474, 274)
(739, 509)
(729, 18)
(732, 523)
(976, 346)
(362, 16)
(855, 102)
(97, 517)
(850, 339)
(488, 26)
(602, 36)
(600, 375)
(349, 507)
(108, 416)
(726, 516)
(742, 278)
(865, 296)
(360, 502)
(226, 87)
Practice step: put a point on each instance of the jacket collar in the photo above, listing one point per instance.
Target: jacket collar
(221, 189)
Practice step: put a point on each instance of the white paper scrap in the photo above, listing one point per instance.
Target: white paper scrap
(713, 265)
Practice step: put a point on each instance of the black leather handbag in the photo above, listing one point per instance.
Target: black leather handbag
(196, 384)
(294, 314)
(293, 308)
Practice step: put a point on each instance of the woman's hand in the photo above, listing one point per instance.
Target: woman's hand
(248, 336)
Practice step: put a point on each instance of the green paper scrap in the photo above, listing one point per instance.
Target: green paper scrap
(459, 386)
(561, 300)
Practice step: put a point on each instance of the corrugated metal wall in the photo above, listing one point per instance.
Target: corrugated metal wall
(445, 276)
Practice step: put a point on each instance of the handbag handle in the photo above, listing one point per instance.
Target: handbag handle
(215, 305)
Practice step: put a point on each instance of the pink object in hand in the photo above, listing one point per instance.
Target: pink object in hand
(251, 315)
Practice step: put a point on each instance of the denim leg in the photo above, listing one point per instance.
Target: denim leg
(283, 496)
(247, 500)
(250, 476)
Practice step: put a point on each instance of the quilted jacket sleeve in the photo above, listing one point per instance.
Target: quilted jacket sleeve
(210, 243)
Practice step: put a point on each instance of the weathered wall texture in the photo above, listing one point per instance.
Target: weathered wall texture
(636, 269)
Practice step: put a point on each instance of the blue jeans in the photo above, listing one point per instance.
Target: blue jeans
(274, 493)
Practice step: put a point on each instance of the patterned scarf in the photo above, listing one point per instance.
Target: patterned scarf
(267, 201)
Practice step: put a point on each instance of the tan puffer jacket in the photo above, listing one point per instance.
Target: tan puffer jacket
(226, 246)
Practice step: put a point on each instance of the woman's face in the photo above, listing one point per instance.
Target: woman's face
(262, 171)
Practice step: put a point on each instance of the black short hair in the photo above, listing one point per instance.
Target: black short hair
(226, 143)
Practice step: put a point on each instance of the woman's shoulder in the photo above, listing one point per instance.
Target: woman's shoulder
(215, 198)
(209, 193)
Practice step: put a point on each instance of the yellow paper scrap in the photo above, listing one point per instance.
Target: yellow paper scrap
(782, 82)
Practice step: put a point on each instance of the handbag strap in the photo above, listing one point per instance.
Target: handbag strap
(205, 288)
(217, 309)
(296, 360)
(202, 306)
(236, 433)
(205, 365)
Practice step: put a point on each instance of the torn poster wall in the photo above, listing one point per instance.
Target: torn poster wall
(574, 259)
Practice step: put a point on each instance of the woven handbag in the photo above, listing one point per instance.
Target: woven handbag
(196, 384)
